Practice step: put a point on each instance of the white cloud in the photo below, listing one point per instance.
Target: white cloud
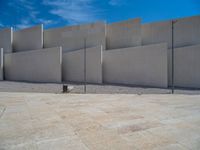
(73, 11)
(27, 14)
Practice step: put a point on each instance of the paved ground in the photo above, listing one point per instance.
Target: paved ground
(113, 89)
(10, 86)
(99, 122)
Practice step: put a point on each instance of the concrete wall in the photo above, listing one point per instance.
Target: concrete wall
(6, 38)
(187, 67)
(28, 39)
(158, 32)
(187, 31)
(34, 66)
(1, 64)
(72, 38)
(143, 66)
(123, 34)
(73, 65)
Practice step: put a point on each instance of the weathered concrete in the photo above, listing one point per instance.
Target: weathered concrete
(73, 65)
(1, 64)
(158, 32)
(72, 38)
(28, 39)
(6, 39)
(187, 31)
(143, 66)
(11, 86)
(99, 122)
(34, 66)
(123, 34)
(186, 66)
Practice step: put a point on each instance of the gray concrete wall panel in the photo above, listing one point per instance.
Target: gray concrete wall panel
(1, 64)
(28, 39)
(158, 32)
(72, 38)
(187, 67)
(34, 66)
(6, 38)
(73, 65)
(187, 31)
(143, 66)
(123, 34)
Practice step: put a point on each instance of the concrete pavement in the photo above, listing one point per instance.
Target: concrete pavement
(99, 122)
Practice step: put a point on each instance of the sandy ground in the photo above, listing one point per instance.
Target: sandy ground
(34, 121)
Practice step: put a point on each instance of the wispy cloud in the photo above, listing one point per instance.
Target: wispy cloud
(27, 13)
(73, 11)
(24, 23)
(1, 24)
(117, 2)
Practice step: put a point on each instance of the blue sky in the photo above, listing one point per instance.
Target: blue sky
(55, 13)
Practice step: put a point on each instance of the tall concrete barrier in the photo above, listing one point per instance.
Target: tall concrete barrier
(187, 31)
(28, 39)
(1, 64)
(123, 34)
(42, 65)
(76, 37)
(73, 65)
(187, 67)
(158, 32)
(142, 66)
(6, 39)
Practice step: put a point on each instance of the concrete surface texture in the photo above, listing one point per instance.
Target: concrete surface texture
(11, 86)
(6, 39)
(123, 34)
(1, 64)
(96, 122)
(28, 39)
(34, 66)
(187, 70)
(76, 37)
(187, 31)
(73, 65)
(158, 32)
(143, 65)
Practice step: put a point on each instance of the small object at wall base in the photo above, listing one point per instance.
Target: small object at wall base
(66, 88)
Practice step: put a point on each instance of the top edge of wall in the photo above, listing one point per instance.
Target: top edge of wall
(7, 28)
(29, 28)
(135, 47)
(169, 20)
(36, 50)
(126, 21)
(77, 27)
(87, 48)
